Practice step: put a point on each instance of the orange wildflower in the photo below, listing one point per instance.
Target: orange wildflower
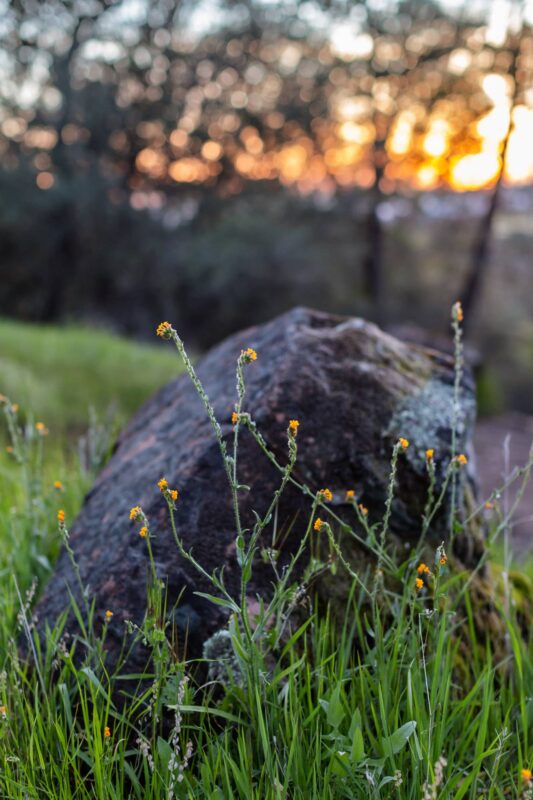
(143, 532)
(164, 329)
(419, 583)
(318, 524)
(327, 494)
(249, 355)
(162, 484)
(293, 427)
(61, 516)
(108, 614)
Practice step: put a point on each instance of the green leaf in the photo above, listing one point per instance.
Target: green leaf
(335, 712)
(220, 601)
(164, 751)
(395, 742)
(358, 746)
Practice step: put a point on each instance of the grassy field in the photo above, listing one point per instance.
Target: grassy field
(58, 374)
(408, 694)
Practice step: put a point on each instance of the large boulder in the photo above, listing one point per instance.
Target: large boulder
(354, 389)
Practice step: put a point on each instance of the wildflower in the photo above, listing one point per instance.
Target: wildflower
(164, 330)
(108, 614)
(163, 484)
(249, 355)
(419, 583)
(143, 532)
(3, 714)
(61, 516)
(135, 513)
(489, 504)
(234, 418)
(318, 524)
(41, 429)
(423, 569)
(429, 454)
(173, 495)
(462, 459)
(403, 442)
(363, 509)
(350, 494)
(526, 775)
(443, 560)
(457, 311)
(293, 427)
(107, 732)
(326, 494)
(58, 485)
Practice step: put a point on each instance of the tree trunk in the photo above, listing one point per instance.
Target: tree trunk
(472, 287)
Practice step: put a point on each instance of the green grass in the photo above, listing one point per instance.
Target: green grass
(60, 373)
(402, 692)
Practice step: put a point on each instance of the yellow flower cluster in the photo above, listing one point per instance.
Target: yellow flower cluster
(135, 513)
(462, 459)
(108, 614)
(423, 569)
(419, 583)
(350, 494)
(248, 355)
(107, 732)
(234, 418)
(164, 330)
(293, 427)
(318, 524)
(326, 495)
(58, 485)
(363, 509)
(41, 429)
(429, 454)
(170, 494)
(403, 442)
(61, 516)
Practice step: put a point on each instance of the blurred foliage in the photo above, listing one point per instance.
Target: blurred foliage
(218, 163)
